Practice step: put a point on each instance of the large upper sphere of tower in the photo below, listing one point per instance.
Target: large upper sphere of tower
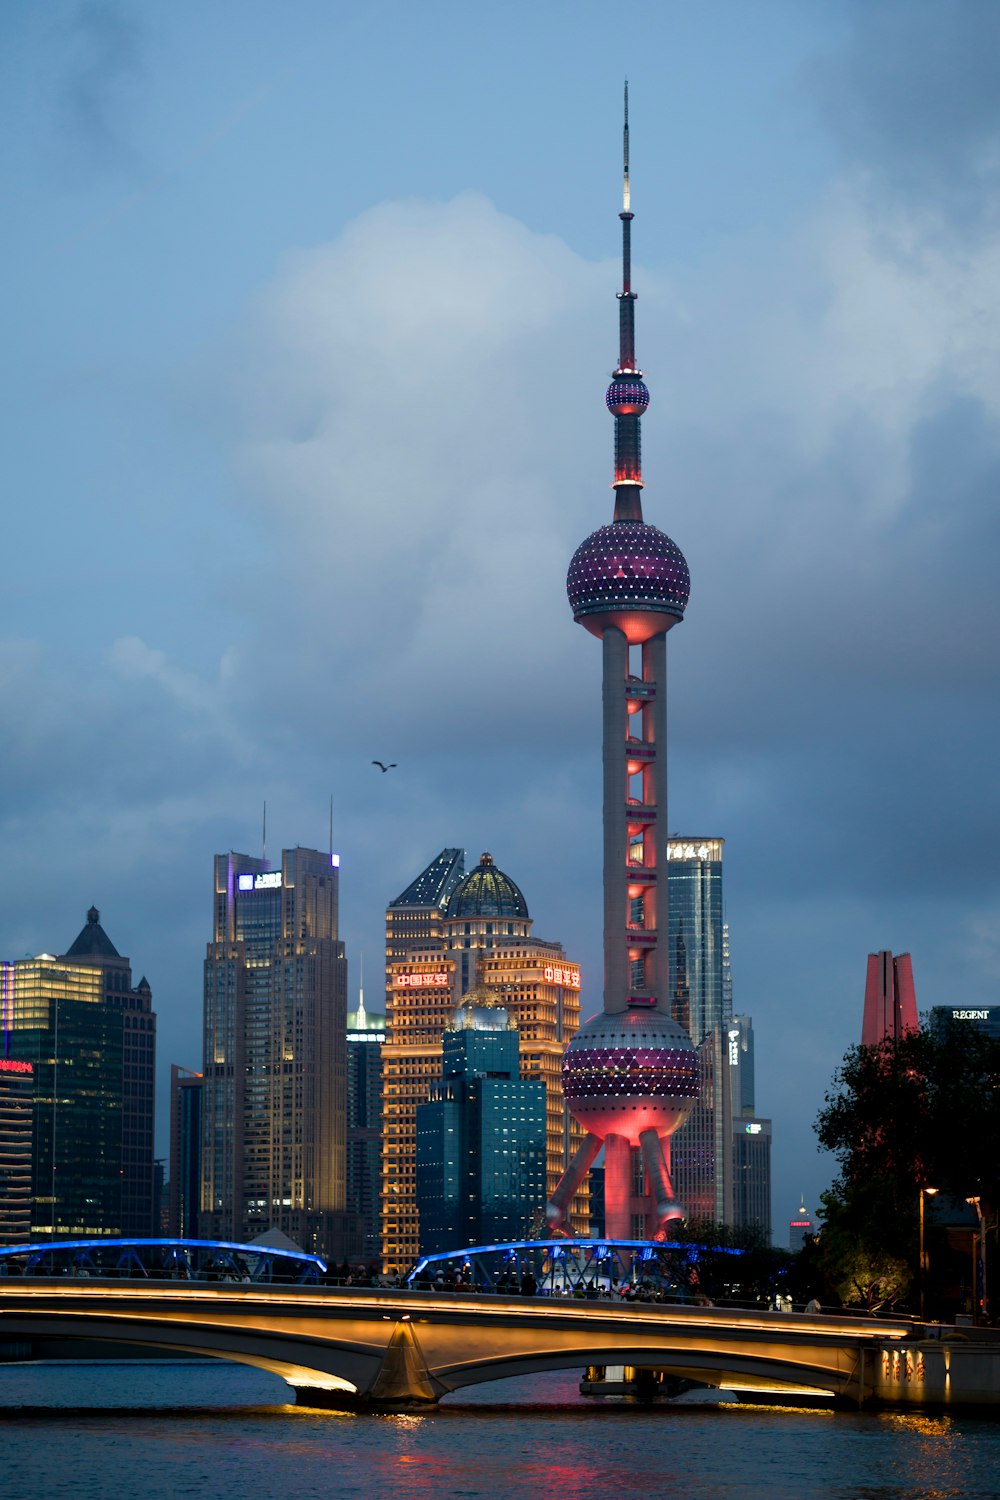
(629, 575)
(626, 1073)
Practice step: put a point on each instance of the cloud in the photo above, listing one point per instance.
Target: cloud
(98, 80)
(912, 100)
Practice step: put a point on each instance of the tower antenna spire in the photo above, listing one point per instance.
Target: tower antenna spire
(626, 200)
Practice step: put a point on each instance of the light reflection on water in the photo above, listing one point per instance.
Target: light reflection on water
(146, 1432)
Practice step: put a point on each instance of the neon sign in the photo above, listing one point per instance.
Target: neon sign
(704, 849)
(421, 981)
(12, 1065)
(970, 1015)
(267, 880)
(557, 975)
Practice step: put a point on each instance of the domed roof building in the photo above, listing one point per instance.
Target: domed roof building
(462, 961)
(486, 894)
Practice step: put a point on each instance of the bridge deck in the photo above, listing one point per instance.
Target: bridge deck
(394, 1346)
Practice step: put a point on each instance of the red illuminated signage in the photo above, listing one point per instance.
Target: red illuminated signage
(9, 1065)
(421, 981)
(557, 975)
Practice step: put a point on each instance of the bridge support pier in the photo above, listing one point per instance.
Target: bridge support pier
(402, 1383)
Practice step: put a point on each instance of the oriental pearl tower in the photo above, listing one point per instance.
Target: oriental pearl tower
(631, 1074)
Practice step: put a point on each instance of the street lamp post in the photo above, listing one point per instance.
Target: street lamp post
(929, 1193)
(980, 1292)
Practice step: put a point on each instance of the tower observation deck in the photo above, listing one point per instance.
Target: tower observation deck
(631, 1074)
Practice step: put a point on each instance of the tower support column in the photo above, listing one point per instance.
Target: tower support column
(654, 670)
(617, 1188)
(616, 969)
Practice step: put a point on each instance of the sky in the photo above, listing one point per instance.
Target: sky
(309, 316)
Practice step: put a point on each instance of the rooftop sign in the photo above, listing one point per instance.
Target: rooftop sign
(267, 880)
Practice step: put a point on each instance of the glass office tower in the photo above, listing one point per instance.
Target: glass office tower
(699, 982)
(701, 1002)
(94, 948)
(52, 1017)
(480, 1139)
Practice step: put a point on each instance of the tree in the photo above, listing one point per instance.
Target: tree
(915, 1111)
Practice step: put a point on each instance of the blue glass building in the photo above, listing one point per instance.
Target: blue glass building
(480, 1148)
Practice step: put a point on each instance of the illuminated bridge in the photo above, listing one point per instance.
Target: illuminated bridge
(390, 1348)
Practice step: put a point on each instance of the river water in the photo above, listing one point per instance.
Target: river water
(144, 1431)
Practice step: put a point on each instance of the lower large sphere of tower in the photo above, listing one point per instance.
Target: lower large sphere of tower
(623, 1074)
(629, 575)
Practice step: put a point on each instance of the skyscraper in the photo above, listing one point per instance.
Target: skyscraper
(416, 918)
(135, 1005)
(798, 1228)
(365, 1040)
(53, 1018)
(185, 1153)
(17, 1087)
(751, 1156)
(700, 987)
(631, 1075)
(480, 1138)
(697, 971)
(273, 1113)
(483, 935)
(890, 999)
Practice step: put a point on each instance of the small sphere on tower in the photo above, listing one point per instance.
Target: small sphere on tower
(627, 397)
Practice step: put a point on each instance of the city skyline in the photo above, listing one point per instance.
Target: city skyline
(207, 238)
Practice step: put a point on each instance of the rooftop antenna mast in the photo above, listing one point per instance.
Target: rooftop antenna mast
(263, 841)
(331, 826)
(626, 297)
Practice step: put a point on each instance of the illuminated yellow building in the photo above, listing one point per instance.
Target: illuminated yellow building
(447, 933)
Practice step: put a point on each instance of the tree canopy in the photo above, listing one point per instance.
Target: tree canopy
(922, 1110)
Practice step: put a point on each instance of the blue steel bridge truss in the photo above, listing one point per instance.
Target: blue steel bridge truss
(568, 1264)
(156, 1259)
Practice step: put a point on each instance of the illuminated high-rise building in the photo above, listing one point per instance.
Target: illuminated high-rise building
(481, 934)
(631, 1075)
(365, 1041)
(135, 1005)
(701, 1002)
(17, 1102)
(890, 999)
(54, 1019)
(274, 1085)
(799, 1229)
(416, 918)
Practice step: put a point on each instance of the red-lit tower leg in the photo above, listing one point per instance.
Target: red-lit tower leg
(631, 1074)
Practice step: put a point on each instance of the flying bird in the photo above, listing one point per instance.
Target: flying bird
(382, 768)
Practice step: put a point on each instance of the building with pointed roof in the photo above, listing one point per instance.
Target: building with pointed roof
(134, 1003)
